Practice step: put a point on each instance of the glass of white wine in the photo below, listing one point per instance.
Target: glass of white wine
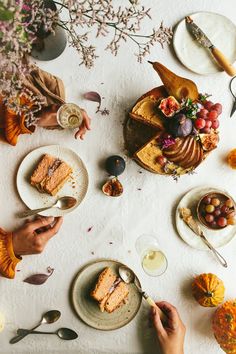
(69, 116)
(154, 261)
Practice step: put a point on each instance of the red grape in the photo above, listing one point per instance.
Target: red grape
(206, 130)
(209, 218)
(161, 160)
(206, 200)
(213, 224)
(202, 113)
(200, 123)
(208, 123)
(212, 115)
(224, 209)
(215, 124)
(217, 212)
(208, 105)
(217, 107)
(222, 222)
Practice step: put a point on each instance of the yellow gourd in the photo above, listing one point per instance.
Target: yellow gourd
(208, 290)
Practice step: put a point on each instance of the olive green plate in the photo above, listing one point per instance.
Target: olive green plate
(87, 309)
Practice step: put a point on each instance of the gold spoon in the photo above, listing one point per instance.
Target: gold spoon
(63, 203)
(128, 276)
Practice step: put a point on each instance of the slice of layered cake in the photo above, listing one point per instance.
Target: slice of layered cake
(50, 174)
(110, 291)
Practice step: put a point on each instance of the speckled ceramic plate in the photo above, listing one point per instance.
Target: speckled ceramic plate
(217, 238)
(87, 309)
(220, 30)
(76, 186)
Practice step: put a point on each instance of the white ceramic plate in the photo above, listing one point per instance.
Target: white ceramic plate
(217, 238)
(219, 29)
(87, 309)
(76, 186)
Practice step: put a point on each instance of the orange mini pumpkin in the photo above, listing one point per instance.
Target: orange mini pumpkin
(208, 290)
(224, 326)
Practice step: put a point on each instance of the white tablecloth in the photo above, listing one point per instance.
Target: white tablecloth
(118, 220)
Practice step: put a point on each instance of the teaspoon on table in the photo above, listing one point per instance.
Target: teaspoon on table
(63, 203)
(128, 276)
(63, 333)
(49, 317)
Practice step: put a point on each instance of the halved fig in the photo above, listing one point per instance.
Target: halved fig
(112, 188)
(169, 106)
(209, 141)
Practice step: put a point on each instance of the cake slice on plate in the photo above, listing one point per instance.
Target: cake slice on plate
(110, 291)
(50, 174)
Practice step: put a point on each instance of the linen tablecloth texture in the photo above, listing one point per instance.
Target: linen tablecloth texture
(118, 220)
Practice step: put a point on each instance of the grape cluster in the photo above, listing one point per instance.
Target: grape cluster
(207, 117)
(218, 213)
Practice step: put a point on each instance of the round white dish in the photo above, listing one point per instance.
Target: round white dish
(217, 238)
(218, 28)
(88, 310)
(76, 186)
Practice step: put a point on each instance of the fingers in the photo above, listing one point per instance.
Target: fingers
(81, 132)
(40, 222)
(46, 235)
(87, 120)
(171, 313)
(157, 321)
(84, 126)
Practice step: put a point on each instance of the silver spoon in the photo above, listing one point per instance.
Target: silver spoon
(128, 276)
(63, 333)
(48, 317)
(63, 203)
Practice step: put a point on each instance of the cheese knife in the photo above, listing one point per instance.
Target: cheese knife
(201, 37)
(186, 215)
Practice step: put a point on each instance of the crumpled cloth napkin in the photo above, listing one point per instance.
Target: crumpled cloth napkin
(49, 88)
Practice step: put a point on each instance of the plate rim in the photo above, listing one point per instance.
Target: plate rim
(177, 216)
(72, 290)
(49, 146)
(177, 52)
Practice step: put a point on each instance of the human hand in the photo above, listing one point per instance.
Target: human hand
(33, 236)
(171, 334)
(48, 119)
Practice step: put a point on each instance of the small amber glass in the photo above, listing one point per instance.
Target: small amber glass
(231, 158)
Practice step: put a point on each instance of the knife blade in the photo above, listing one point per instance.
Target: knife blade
(202, 39)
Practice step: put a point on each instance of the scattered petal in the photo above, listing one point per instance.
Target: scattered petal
(90, 228)
(39, 279)
(93, 96)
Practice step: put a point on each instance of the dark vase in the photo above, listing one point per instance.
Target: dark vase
(48, 45)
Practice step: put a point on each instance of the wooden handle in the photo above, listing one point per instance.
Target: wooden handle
(161, 314)
(223, 61)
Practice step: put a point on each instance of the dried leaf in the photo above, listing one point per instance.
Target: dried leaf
(93, 96)
(39, 279)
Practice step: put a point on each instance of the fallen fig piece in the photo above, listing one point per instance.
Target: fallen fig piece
(113, 188)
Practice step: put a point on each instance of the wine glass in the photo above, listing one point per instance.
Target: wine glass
(69, 116)
(153, 260)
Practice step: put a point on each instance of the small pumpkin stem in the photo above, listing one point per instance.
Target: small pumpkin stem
(208, 294)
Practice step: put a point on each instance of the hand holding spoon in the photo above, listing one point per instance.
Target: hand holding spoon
(63, 203)
(128, 276)
(63, 333)
(48, 317)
